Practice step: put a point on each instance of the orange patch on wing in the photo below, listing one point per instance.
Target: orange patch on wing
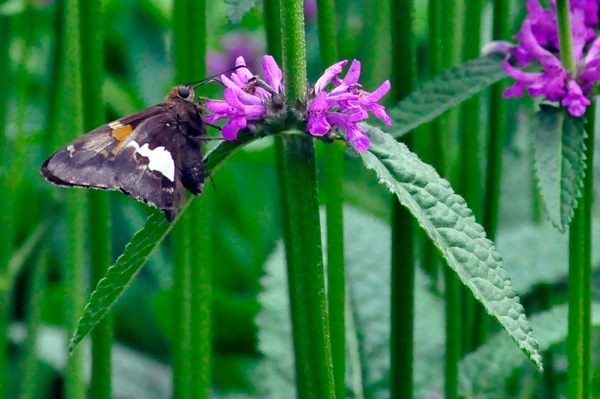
(121, 132)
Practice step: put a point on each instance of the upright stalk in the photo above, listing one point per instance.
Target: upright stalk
(70, 124)
(92, 78)
(36, 294)
(578, 341)
(470, 173)
(430, 258)
(182, 318)
(404, 76)
(192, 274)
(334, 168)
(580, 271)
(495, 143)
(451, 55)
(190, 64)
(201, 265)
(314, 369)
(496, 128)
(6, 196)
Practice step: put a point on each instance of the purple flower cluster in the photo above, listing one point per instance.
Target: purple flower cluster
(244, 99)
(247, 98)
(345, 105)
(538, 40)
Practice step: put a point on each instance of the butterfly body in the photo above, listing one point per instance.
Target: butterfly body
(152, 155)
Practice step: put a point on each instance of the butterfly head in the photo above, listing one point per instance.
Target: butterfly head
(181, 92)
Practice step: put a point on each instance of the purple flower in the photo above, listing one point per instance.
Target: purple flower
(345, 105)
(245, 99)
(538, 40)
(248, 98)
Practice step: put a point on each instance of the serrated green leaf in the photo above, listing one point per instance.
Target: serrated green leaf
(559, 161)
(237, 9)
(143, 243)
(451, 225)
(445, 91)
(484, 371)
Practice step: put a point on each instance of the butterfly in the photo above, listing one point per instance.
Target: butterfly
(152, 155)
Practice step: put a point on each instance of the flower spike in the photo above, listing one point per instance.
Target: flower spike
(538, 41)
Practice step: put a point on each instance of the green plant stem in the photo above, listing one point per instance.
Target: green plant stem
(6, 196)
(70, 122)
(404, 76)
(580, 272)
(430, 254)
(452, 23)
(182, 318)
(310, 320)
(565, 37)
(334, 168)
(190, 67)
(92, 78)
(273, 28)
(470, 172)
(192, 290)
(201, 269)
(496, 130)
(453, 332)
(314, 368)
(37, 290)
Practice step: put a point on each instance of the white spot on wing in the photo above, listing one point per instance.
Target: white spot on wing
(115, 125)
(134, 145)
(160, 160)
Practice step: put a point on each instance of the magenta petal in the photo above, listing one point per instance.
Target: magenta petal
(318, 125)
(499, 46)
(228, 82)
(239, 81)
(232, 99)
(530, 44)
(272, 72)
(593, 51)
(210, 118)
(243, 73)
(254, 112)
(576, 109)
(319, 104)
(329, 74)
(239, 61)
(379, 111)
(361, 142)
(380, 92)
(232, 127)
(218, 107)
(244, 97)
(575, 100)
(515, 90)
(353, 73)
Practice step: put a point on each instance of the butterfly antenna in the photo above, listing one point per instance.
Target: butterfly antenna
(213, 182)
(215, 78)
